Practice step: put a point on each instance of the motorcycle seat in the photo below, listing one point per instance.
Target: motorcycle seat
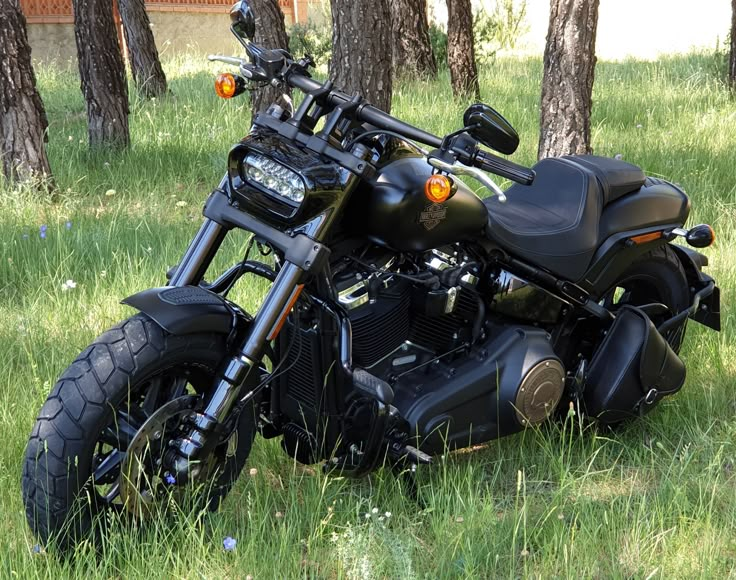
(559, 221)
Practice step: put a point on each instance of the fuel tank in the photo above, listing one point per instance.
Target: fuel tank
(393, 211)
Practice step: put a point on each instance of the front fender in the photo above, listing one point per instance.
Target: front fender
(189, 309)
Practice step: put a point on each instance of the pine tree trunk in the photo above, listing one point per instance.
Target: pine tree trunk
(732, 56)
(144, 62)
(102, 71)
(412, 49)
(270, 33)
(23, 120)
(567, 86)
(361, 50)
(461, 49)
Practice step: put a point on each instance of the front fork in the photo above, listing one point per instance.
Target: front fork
(186, 452)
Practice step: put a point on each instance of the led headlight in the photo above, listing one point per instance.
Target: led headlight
(274, 177)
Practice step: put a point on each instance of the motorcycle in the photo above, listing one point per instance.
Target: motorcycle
(405, 316)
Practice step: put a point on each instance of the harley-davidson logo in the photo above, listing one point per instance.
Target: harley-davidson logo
(432, 215)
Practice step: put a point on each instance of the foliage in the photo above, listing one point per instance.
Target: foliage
(438, 40)
(499, 28)
(312, 38)
(652, 501)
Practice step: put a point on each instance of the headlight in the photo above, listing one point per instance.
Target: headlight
(274, 177)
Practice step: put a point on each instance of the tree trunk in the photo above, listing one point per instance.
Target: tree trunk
(412, 49)
(270, 33)
(732, 56)
(144, 62)
(461, 49)
(361, 49)
(567, 86)
(102, 71)
(23, 120)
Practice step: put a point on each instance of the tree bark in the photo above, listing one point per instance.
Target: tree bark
(412, 48)
(144, 62)
(270, 33)
(461, 49)
(102, 71)
(732, 56)
(361, 49)
(567, 85)
(23, 121)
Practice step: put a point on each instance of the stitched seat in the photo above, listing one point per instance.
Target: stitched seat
(574, 204)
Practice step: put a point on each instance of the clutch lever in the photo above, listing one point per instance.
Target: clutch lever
(248, 70)
(459, 169)
(233, 60)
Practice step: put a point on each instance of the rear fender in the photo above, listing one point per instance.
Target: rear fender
(709, 309)
(189, 309)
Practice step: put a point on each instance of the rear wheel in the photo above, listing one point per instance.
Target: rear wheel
(656, 277)
(99, 437)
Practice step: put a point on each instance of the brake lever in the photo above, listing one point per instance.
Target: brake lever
(233, 60)
(458, 169)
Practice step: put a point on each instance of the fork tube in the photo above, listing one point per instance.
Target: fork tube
(234, 374)
(199, 254)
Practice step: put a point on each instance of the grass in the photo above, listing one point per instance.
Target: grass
(657, 500)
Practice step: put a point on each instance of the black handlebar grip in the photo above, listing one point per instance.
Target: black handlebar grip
(504, 168)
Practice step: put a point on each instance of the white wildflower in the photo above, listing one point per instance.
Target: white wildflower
(68, 285)
(110, 192)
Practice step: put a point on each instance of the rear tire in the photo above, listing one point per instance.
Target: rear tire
(65, 447)
(657, 276)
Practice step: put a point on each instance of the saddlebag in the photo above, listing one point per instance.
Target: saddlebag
(632, 369)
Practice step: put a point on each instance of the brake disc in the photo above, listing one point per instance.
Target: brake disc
(142, 479)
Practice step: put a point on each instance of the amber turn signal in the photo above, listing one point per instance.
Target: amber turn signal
(227, 85)
(701, 236)
(438, 188)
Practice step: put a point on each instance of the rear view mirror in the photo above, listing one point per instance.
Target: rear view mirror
(243, 22)
(490, 128)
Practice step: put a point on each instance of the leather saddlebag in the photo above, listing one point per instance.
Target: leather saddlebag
(633, 369)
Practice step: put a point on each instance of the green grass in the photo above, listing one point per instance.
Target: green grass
(655, 501)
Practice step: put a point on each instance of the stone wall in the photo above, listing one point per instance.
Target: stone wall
(202, 33)
(176, 28)
(52, 42)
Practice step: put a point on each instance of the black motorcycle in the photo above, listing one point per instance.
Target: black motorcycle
(405, 316)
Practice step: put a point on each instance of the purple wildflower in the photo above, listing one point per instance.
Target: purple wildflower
(42, 231)
(229, 544)
(170, 479)
(68, 225)
(37, 549)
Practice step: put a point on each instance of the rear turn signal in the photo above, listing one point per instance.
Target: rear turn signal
(228, 85)
(701, 236)
(438, 188)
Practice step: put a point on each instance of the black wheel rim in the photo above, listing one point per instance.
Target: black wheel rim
(145, 398)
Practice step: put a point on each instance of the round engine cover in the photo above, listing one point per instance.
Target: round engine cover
(540, 392)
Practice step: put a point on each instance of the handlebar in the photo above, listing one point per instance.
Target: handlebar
(366, 113)
(369, 114)
(504, 168)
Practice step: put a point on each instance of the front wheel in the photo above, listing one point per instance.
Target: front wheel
(134, 380)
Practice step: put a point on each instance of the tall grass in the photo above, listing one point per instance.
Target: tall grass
(656, 500)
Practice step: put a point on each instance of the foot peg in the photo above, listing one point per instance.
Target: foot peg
(372, 386)
(416, 456)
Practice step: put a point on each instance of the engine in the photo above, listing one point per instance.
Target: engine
(424, 328)
(398, 323)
